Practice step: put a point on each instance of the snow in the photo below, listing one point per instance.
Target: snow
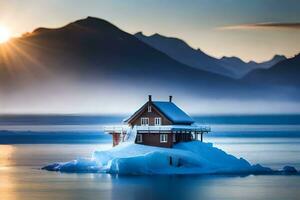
(174, 113)
(184, 158)
(131, 134)
(170, 110)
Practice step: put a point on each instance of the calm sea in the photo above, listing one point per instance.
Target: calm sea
(29, 142)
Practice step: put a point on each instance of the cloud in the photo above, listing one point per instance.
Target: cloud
(262, 26)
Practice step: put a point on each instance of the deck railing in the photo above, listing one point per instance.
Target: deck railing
(115, 129)
(172, 128)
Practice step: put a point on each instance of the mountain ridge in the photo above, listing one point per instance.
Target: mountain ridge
(95, 49)
(284, 73)
(191, 57)
(179, 50)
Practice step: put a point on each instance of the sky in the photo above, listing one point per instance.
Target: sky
(252, 30)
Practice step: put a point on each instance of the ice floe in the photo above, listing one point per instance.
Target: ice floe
(184, 158)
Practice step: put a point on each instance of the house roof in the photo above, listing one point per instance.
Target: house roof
(169, 110)
(173, 112)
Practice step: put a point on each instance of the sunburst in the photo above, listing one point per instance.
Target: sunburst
(4, 34)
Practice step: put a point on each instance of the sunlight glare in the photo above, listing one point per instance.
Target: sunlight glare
(4, 34)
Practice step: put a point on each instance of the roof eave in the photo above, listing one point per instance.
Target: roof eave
(183, 122)
(129, 119)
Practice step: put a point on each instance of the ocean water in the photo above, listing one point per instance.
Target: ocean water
(30, 142)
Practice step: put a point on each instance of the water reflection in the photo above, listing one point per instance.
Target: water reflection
(6, 152)
(7, 184)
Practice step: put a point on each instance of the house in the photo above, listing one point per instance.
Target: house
(158, 123)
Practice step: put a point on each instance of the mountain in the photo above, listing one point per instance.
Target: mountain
(283, 74)
(182, 52)
(179, 50)
(93, 50)
(241, 68)
(267, 64)
(91, 64)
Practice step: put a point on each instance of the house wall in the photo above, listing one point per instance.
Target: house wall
(153, 139)
(151, 115)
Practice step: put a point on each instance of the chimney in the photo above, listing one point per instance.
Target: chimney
(150, 97)
(170, 98)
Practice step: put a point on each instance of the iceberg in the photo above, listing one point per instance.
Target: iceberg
(184, 158)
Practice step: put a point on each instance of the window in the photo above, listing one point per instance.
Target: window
(149, 109)
(157, 121)
(174, 137)
(163, 138)
(139, 138)
(144, 121)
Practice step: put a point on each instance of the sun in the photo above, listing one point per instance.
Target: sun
(4, 34)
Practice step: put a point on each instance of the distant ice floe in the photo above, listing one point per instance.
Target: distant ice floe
(184, 158)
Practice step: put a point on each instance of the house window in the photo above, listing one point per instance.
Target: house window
(149, 109)
(144, 121)
(174, 137)
(139, 138)
(163, 138)
(157, 121)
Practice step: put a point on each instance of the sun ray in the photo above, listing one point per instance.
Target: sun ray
(16, 59)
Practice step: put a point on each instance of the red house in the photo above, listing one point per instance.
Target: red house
(158, 123)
